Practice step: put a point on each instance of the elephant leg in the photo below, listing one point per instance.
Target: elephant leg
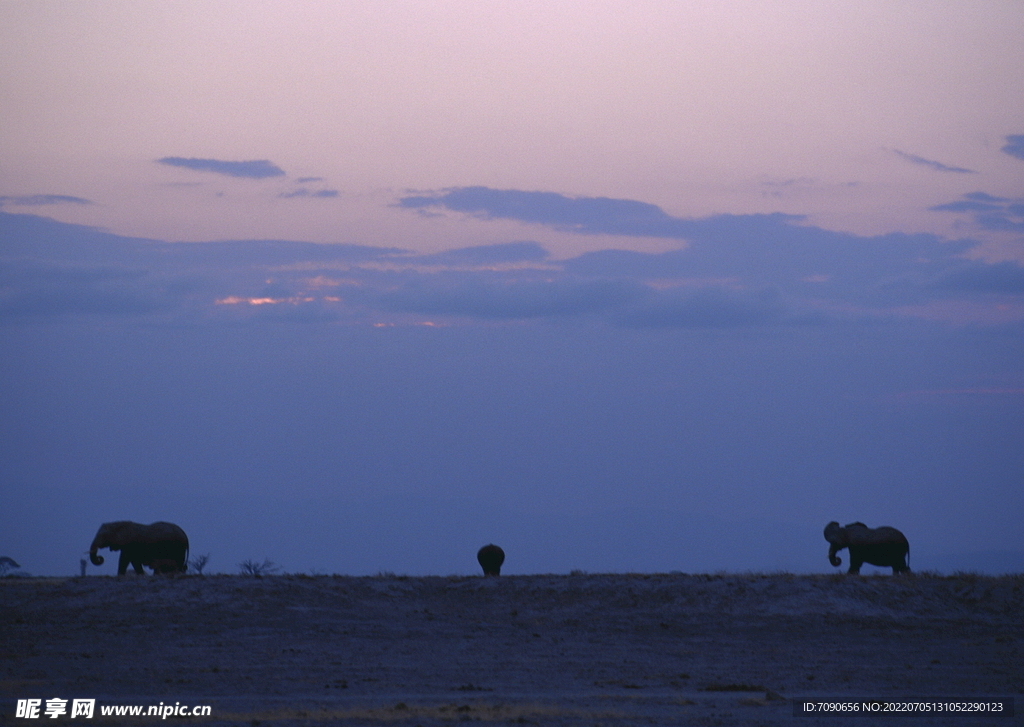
(135, 557)
(122, 563)
(856, 561)
(165, 565)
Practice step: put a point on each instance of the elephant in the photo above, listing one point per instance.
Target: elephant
(161, 546)
(490, 558)
(882, 546)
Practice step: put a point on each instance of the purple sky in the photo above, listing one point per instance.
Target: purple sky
(364, 286)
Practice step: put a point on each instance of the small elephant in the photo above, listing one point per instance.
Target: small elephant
(161, 546)
(165, 565)
(882, 546)
(490, 558)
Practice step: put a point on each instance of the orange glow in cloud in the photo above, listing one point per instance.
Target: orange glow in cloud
(322, 281)
(236, 300)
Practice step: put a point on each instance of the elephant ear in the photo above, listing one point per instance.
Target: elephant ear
(120, 533)
(833, 532)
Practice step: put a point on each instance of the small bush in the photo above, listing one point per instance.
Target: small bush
(257, 569)
(199, 562)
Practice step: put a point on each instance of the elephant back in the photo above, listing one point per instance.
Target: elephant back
(163, 532)
(874, 536)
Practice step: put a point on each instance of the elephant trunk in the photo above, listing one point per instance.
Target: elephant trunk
(832, 557)
(95, 557)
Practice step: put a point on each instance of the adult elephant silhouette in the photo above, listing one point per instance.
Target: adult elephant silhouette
(490, 557)
(882, 546)
(161, 546)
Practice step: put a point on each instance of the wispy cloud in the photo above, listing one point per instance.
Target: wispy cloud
(587, 215)
(41, 199)
(313, 194)
(255, 169)
(937, 166)
(714, 308)
(514, 299)
(737, 271)
(39, 289)
(479, 255)
(985, 197)
(927, 393)
(1014, 146)
(1003, 277)
(989, 212)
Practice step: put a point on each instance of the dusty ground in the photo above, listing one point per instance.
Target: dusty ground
(561, 650)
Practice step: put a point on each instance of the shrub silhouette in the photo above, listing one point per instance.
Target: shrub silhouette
(256, 569)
